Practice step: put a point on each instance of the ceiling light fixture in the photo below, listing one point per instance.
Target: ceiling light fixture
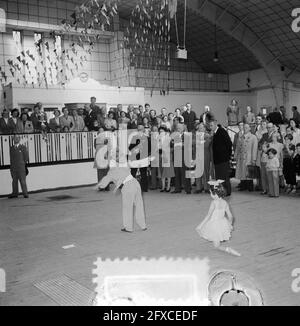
(216, 56)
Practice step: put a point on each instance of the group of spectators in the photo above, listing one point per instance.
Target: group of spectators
(154, 134)
(266, 147)
(267, 150)
(37, 122)
(92, 118)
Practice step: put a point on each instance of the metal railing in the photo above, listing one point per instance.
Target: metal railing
(51, 148)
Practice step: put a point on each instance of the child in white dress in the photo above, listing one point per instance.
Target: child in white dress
(217, 225)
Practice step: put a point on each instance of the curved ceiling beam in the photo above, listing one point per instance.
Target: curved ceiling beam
(238, 29)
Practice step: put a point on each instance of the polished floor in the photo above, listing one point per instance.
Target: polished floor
(34, 231)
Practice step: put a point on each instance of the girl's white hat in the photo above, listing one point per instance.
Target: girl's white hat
(215, 183)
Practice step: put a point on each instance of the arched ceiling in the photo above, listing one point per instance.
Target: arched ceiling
(200, 42)
(269, 20)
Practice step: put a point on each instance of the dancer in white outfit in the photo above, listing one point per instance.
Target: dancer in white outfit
(132, 200)
(217, 225)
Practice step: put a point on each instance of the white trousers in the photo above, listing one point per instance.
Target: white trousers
(132, 198)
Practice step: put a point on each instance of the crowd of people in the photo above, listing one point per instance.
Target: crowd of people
(266, 148)
(92, 118)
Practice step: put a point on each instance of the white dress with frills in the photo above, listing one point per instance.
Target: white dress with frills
(216, 227)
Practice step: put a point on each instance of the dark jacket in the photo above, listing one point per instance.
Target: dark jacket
(275, 117)
(296, 161)
(18, 158)
(37, 124)
(222, 146)
(24, 128)
(89, 120)
(133, 124)
(189, 120)
(12, 125)
(4, 127)
(296, 117)
(54, 126)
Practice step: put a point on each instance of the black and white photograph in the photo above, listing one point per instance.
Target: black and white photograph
(149, 155)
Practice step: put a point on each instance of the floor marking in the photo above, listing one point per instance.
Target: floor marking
(51, 203)
(41, 225)
(69, 246)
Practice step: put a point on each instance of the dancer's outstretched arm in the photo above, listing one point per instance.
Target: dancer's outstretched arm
(104, 182)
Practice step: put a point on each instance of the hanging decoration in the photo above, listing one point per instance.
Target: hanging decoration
(148, 37)
(49, 64)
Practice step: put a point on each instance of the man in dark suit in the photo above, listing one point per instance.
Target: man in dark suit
(222, 151)
(189, 118)
(296, 115)
(13, 121)
(4, 126)
(275, 117)
(90, 118)
(140, 149)
(181, 145)
(36, 118)
(206, 117)
(18, 159)
(96, 109)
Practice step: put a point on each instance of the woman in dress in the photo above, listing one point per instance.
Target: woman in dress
(232, 112)
(217, 225)
(238, 155)
(24, 126)
(110, 123)
(123, 120)
(66, 121)
(167, 167)
(79, 124)
(170, 119)
(205, 138)
(249, 118)
(54, 124)
(278, 146)
(165, 122)
(147, 126)
(179, 116)
(246, 155)
(295, 131)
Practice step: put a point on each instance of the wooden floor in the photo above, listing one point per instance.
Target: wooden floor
(33, 232)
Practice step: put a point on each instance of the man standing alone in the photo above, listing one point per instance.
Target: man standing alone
(222, 151)
(18, 159)
(189, 118)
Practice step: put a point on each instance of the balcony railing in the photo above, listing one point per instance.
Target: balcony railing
(57, 148)
(51, 148)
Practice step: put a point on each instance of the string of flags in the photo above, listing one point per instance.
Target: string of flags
(148, 36)
(49, 63)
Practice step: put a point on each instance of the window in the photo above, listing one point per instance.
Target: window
(18, 38)
(38, 37)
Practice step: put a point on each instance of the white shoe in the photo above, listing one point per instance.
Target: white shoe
(232, 251)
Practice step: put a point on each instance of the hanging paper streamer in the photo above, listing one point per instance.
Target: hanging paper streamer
(148, 37)
(50, 64)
